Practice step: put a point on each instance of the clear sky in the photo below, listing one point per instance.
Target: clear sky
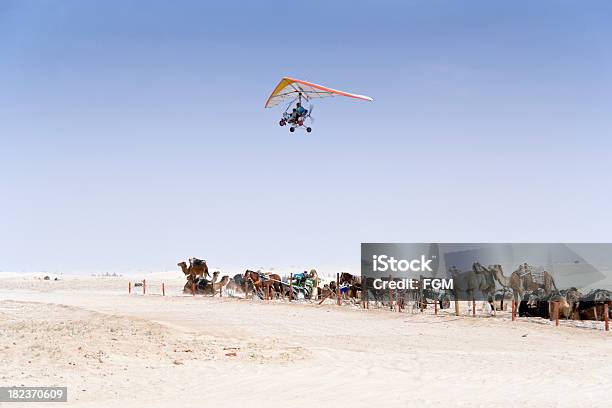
(133, 134)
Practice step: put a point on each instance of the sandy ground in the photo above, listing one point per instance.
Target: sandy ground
(153, 351)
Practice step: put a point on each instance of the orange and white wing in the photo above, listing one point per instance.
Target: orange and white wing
(289, 89)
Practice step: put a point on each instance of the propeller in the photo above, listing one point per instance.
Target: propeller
(310, 113)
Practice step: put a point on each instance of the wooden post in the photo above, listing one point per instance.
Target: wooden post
(193, 288)
(606, 312)
(220, 291)
(456, 304)
(421, 294)
(290, 287)
(436, 307)
(390, 293)
(129, 288)
(367, 294)
(556, 303)
(144, 286)
(397, 301)
(595, 313)
(163, 289)
(473, 307)
(338, 287)
(513, 310)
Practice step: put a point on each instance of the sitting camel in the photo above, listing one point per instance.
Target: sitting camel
(215, 286)
(205, 287)
(235, 287)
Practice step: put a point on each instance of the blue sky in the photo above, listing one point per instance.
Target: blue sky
(133, 134)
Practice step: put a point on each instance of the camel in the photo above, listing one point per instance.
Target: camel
(192, 280)
(486, 284)
(591, 306)
(479, 278)
(204, 286)
(514, 282)
(195, 268)
(521, 281)
(530, 283)
(354, 284)
(235, 287)
(215, 287)
(271, 281)
(215, 276)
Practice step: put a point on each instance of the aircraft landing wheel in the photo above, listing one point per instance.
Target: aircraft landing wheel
(282, 122)
(309, 129)
(292, 129)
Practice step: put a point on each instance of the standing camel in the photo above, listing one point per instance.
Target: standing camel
(514, 282)
(548, 283)
(268, 281)
(521, 281)
(486, 284)
(195, 268)
(477, 279)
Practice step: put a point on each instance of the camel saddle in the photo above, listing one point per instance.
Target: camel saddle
(197, 262)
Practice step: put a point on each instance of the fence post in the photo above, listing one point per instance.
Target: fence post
(163, 289)
(606, 312)
(513, 309)
(436, 307)
(338, 287)
(291, 287)
(390, 294)
(557, 312)
(421, 295)
(144, 286)
(473, 307)
(456, 304)
(129, 288)
(397, 301)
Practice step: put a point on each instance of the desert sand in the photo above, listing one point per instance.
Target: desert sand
(114, 349)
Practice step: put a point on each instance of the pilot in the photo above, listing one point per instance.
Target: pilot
(300, 110)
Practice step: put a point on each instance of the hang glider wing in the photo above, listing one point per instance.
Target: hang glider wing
(289, 89)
